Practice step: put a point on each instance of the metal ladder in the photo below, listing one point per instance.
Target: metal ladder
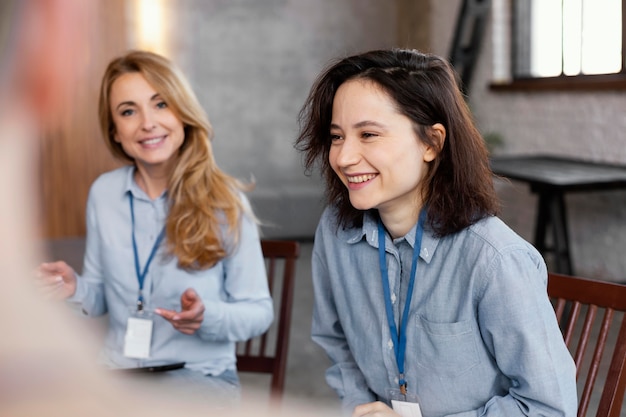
(470, 27)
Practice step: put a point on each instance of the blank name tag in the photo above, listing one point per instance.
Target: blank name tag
(138, 338)
(406, 409)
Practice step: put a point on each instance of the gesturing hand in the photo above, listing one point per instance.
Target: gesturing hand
(190, 317)
(57, 279)
(375, 409)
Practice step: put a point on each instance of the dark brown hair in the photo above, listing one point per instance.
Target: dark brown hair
(458, 186)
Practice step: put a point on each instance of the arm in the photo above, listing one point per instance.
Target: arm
(344, 375)
(523, 336)
(247, 308)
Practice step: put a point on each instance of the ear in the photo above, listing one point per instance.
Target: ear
(438, 133)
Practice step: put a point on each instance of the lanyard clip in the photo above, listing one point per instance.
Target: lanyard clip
(140, 302)
(402, 384)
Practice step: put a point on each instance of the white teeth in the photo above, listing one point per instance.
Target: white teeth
(152, 141)
(360, 178)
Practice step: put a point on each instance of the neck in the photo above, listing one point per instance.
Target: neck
(153, 182)
(399, 222)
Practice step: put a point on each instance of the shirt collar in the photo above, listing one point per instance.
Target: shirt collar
(369, 230)
(131, 186)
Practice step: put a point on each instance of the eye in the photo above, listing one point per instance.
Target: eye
(368, 135)
(127, 112)
(161, 105)
(334, 137)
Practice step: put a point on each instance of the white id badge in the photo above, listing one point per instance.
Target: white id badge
(406, 405)
(405, 409)
(138, 338)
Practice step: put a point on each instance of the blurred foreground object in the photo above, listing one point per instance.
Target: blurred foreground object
(46, 363)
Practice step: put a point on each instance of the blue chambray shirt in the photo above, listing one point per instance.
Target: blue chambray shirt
(482, 337)
(234, 291)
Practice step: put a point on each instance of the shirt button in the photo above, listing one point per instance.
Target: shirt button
(393, 298)
(390, 344)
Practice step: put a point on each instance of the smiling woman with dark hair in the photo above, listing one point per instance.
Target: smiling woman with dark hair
(424, 300)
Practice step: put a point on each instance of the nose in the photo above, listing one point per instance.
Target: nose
(148, 121)
(347, 152)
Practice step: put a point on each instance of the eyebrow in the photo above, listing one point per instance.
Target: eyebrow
(156, 96)
(358, 125)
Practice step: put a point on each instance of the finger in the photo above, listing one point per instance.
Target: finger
(188, 329)
(54, 292)
(361, 410)
(51, 290)
(195, 314)
(376, 408)
(48, 280)
(189, 298)
(52, 280)
(188, 332)
(46, 272)
(57, 267)
(166, 314)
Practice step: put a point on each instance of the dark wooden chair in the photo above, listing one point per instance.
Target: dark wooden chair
(268, 352)
(601, 376)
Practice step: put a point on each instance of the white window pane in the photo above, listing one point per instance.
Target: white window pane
(572, 36)
(601, 36)
(546, 38)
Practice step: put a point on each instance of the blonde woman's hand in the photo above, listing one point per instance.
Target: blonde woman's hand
(374, 409)
(57, 279)
(190, 316)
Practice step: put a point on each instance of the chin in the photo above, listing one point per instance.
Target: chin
(361, 205)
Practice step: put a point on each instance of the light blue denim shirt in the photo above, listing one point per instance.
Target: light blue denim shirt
(234, 291)
(482, 337)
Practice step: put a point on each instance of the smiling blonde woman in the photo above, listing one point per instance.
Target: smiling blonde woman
(173, 252)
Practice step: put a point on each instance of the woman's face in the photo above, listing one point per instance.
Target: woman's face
(147, 129)
(376, 152)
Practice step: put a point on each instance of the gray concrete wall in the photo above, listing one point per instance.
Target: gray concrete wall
(252, 63)
(587, 125)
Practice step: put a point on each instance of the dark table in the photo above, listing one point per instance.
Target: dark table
(550, 178)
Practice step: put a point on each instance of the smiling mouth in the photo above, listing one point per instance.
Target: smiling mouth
(357, 179)
(152, 141)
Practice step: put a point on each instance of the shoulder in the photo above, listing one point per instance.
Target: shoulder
(244, 200)
(329, 216)
(493, 232)
(247, 217)
(116, 176)
(499, 248)
(111, 182)
(489, 242)
(329, 225)
(332, 235)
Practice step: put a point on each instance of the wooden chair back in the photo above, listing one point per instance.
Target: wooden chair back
(591, 313)
(268, 353)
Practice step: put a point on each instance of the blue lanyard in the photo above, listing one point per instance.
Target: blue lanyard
(399, 340)
(141, 276)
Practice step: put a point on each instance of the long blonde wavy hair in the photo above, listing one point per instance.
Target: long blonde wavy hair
(202, 198)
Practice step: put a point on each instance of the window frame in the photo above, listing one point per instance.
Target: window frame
(580, 82)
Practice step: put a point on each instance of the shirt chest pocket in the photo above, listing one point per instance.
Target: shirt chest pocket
(445, 349)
